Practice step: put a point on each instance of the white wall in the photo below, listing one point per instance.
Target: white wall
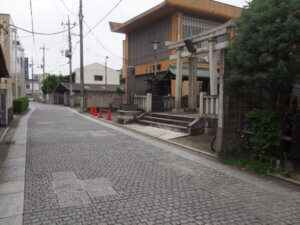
(14, 62)
(113, 76)
(36, 87)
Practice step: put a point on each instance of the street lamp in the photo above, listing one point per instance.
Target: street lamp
(155, 47)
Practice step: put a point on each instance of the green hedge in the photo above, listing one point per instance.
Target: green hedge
(20, 105)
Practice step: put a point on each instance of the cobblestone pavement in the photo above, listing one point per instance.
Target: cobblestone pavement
(81, 172)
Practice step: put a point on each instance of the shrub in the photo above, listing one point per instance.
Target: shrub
(120, 90)
(265, 141)
(20, 105)
(243, 162)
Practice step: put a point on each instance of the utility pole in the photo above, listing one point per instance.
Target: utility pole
(81, 58)
(16, 65)
(43, 48)
(44, 67)
(69, 55)
(106, 58)
(32, 77)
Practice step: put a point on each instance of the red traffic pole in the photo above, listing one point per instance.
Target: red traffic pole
(100, 114)
(109, 115)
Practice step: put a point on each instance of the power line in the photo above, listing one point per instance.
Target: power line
(100, 43)
(59, 67)
(58, 9)
(67, 8)
(39, 33)
(101, 20)
(114, 61)
(74, 48)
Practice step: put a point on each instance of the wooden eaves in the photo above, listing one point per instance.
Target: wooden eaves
(206, 8)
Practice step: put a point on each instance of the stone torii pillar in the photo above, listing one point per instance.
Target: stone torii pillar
(130, 85)
(193, 82)
(178, 94)
(212, 68)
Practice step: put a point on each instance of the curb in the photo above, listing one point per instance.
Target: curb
(285, 179)
(8, 126)
(207, 154)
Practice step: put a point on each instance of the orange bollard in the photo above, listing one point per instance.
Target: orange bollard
(100, 114)
(109, 115)
(95, 112)
(91, 110)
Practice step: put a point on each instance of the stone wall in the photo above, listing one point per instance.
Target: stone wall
(104, 99)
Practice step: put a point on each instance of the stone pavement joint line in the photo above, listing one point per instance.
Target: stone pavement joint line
(118, 177)
(71, 191)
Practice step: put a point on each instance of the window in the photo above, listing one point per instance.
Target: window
(98, 78)
(27, 86)
(193, 25)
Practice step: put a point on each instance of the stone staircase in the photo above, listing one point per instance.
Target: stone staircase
(179, 123)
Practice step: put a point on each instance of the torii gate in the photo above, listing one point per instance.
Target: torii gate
(211, 42)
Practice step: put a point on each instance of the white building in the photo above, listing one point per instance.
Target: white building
(36, 90)
(95, 74)
(13, 55)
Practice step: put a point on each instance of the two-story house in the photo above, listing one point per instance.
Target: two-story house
(97, 73)
(101, 88)
(171, 20)
(14, 55)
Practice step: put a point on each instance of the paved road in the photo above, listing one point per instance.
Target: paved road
(82, 172)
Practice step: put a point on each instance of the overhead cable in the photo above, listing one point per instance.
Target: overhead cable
(38, 33)
(59, 67)
(67, 8)
(101, 20)
(100, 43)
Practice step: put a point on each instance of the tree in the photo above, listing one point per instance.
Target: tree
(264, 58)
(51, 82)
(263, 66)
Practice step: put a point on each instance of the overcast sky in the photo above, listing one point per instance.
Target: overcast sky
(48, 15)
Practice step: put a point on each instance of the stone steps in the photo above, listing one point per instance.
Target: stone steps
(173, 117)
(164, 125)
(167, 121)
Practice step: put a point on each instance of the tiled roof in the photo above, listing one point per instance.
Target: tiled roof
(89, 87)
